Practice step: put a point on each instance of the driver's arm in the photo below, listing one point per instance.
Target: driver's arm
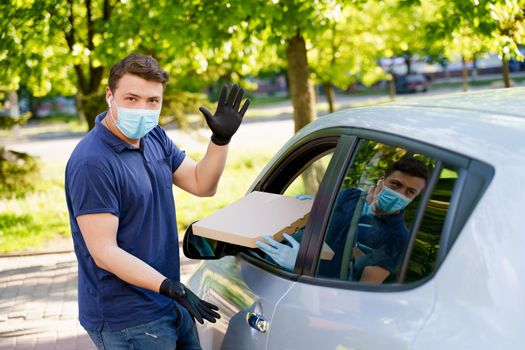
(374, 274)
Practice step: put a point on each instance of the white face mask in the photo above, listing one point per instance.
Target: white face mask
(135, 123)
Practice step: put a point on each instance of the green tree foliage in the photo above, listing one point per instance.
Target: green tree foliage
(458, 32)
(349, 49)
(275, 33)
(402, 24)
(510, 31)
(67, 46)
(472, 28)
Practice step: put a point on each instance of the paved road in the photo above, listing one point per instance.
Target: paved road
(38, 302)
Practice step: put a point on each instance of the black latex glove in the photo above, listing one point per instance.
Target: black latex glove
(227, 118)
(198, 308)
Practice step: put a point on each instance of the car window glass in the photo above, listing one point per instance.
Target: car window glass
(370, 224)
(308, 181)
(303, 185)
(426, 246)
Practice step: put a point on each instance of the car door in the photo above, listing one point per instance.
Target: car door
(246, 296)
(247, 287)
(325, 311)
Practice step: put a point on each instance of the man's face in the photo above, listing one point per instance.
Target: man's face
(135, 93)
(409, 186)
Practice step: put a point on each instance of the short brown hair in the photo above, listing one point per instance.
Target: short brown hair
(145, 67)
(410, 166)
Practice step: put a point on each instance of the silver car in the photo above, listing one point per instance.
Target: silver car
(460, 280)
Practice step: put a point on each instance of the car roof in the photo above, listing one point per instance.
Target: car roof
(500, 101)
(488, 125)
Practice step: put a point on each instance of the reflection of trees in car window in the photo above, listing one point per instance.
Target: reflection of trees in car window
(353, 224)
(427, 241)
(371, 161)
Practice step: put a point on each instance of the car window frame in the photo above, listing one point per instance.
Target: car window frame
(474, 177)
(273, 182)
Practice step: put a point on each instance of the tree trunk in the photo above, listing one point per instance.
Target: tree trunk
(330, 96)
(506, 77)
(88, 81)
(392, 87)
(92, 105)
(408, 59)
(14, 111)
(474, 68)
(312, 178)
(301, 88)
(80, 112)
(464, 73)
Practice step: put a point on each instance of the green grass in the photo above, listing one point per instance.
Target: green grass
(472, 83)
(28, 224)
(264, 100)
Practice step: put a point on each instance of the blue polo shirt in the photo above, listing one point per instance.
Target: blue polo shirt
(383, 239)
(106, 175)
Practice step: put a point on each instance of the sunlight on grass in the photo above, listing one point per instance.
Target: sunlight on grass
(28, 223)
(55, 126)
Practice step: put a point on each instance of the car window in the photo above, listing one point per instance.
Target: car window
(370, 230)
(426, 243)
(307, 182)
(303, 184)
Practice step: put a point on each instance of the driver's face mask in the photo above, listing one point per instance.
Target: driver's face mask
(387, 200)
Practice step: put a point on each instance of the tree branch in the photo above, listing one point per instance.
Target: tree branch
(107, 11)
(70, 39)
(70, 34)
(90, 30)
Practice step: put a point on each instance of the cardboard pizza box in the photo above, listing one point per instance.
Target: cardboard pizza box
(257, 214)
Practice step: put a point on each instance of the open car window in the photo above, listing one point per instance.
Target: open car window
(300, 176)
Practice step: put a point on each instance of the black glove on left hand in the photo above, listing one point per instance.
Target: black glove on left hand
(227, 119)
(197, 307)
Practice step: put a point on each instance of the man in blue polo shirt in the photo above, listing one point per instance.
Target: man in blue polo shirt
(119, 194)
(381, 233)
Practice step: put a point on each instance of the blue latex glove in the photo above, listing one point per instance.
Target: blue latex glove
(304, 196)
(282, 254)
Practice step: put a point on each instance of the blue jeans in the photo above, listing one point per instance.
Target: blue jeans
(175, 330)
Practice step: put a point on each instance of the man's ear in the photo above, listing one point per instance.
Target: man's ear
(108, 99)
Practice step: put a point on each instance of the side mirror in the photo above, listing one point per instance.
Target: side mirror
(198, 247)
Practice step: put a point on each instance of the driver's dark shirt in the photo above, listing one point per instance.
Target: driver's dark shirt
(382, 238)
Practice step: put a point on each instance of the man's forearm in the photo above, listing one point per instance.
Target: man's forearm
(129, 268)
(210, 168)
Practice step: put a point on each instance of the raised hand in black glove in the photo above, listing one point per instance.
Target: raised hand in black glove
(198, 308)
(227, 118)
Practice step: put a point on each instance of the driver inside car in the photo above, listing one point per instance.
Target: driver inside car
(381, 233)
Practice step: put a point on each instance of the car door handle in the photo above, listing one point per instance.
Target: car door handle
(257, 322)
